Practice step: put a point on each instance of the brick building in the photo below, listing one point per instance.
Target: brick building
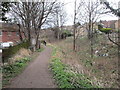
(9, 33)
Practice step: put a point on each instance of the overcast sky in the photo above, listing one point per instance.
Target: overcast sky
(69, 7)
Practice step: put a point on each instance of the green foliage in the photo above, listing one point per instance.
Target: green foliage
(105, 30)
(65, 77)
(87, 62)
(66, 32)
(100, 26)
(8, 52)
(10, 71)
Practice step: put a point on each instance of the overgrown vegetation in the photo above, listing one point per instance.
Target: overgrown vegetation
(10, 71)
(102, 64)
(101, 69)
(8, 52)
(66, 77)
(67, 33)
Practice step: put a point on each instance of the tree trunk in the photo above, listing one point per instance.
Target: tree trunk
(113, 41)
(91, 39)
(38, 43)
(74, 40)
(20, 35)
(29, 34)
(74, 28)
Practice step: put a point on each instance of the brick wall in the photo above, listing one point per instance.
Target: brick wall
(10, 37)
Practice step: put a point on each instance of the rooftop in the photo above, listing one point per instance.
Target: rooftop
(8, 27)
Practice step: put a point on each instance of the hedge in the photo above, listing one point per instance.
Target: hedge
(8, 52)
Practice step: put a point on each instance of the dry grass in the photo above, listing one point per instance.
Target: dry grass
(102, 70)
(69, 57)
(19, 55)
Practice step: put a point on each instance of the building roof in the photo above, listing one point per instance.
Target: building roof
(109, 24)
(9, 27)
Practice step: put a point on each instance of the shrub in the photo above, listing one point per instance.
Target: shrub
(67, 33)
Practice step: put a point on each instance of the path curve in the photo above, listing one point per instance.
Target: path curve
(37, 74)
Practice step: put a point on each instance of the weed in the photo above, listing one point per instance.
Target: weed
(65, 77)
(10, 71)
(87, 62)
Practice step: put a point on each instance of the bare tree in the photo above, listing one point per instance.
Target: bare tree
(59, 19)
(32, 16)
(76, 23)
(91, 12)
(114, 11)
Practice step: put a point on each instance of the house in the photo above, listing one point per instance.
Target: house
(9, 34)
(110, 24)
(117, 24)
(114, 24)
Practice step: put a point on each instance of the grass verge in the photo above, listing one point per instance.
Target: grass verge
(12, 70)
(65, 76)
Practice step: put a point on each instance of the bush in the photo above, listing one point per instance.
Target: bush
(65, 33)
(68, 33)
(8, 52)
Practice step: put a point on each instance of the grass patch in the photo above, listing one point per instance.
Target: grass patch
(87, 63)
(40, 50)
(12, 70)
(66, 77)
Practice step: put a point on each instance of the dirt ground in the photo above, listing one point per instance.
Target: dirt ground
(37, 74)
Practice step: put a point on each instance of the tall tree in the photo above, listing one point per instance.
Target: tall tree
(32, 15)
(91, 12)
(59, 19)
(76, 23)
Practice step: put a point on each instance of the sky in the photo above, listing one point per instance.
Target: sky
(69, 8)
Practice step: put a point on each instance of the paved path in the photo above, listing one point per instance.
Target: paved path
(37, 74)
